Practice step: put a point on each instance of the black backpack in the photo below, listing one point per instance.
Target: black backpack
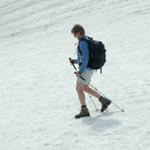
(97, 53)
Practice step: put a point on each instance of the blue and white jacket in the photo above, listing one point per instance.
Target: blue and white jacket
(82, 60)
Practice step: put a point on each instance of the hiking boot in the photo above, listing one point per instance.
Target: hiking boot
(83, 113)
(105, 103)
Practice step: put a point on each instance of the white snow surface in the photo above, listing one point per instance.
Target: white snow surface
(38, 99)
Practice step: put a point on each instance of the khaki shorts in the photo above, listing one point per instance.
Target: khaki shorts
(87, 75)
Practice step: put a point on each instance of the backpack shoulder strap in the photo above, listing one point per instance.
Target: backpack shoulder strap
(84, 39)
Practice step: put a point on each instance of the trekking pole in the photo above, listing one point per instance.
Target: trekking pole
(96, 109)
(107, 98)
(98, 90)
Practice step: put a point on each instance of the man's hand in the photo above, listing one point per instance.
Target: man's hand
(78, 74)
(72, 61)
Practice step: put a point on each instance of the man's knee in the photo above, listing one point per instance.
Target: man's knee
(79, 87)
(86, 88)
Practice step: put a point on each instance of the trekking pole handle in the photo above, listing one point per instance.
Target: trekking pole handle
(72, 64)
(76, 69)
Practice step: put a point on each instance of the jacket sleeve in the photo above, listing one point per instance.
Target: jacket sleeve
(85, 55)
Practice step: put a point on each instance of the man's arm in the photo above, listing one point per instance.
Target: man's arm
(85, 54)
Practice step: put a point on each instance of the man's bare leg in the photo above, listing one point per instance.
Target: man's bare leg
(104, 101)
(84, 110)
(81, 95)
(91, 91)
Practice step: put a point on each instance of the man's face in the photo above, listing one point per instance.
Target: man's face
(77, 35)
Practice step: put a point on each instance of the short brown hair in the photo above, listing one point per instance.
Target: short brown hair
(77, 28)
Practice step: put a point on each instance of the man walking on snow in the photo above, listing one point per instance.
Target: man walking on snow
(85, 72)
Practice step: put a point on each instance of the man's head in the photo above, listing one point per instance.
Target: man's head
(78, 31)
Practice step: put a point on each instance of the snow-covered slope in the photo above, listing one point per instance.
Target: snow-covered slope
(38, 100)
